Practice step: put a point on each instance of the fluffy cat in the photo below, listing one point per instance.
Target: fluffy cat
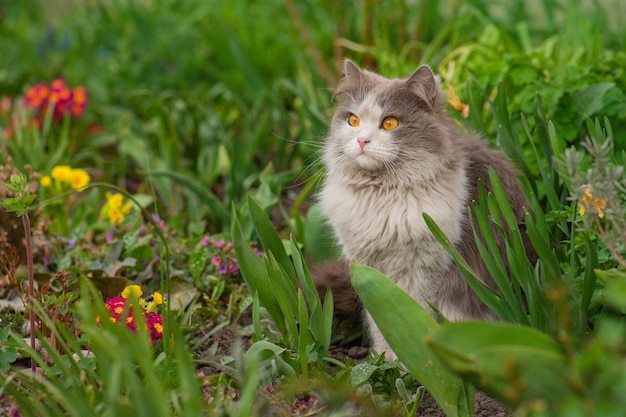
(393, 154)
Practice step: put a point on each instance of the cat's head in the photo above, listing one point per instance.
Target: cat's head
(387, 126)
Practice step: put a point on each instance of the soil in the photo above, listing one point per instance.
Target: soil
(223, 341)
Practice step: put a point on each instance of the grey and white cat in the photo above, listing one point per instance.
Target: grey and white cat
(393, 154)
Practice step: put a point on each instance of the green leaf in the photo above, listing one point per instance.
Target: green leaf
(198, 260)
(360, 373)
(484, 292)
(320, 318)
(614, 281)
(201, 190)
(255, 274)
(514, 364)
(589, 277)
(318, 237)
(390, 307)
(590, 99)
(269, 237)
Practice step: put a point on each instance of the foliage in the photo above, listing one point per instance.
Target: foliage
(212, 129)
(119, 374)
(389, 305)
(282, 284)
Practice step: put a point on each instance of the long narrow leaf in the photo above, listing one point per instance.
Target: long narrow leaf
(405, 324)
(486, 294)
(255, 274)
(269, 237)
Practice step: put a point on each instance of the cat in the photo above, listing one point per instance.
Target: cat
(392, 154)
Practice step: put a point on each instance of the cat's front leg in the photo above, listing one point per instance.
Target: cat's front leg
(377, 340)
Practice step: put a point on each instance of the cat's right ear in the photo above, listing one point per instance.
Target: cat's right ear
(352, 78)
(351, 70)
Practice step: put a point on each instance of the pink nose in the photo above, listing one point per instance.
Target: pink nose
(363, 142)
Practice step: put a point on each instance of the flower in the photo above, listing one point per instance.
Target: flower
(456, 103)
(79, 101)
(61, 173)
(115, 210)
(79, 178)
(57, 98)
(154, 322)
(37, 96)
(158, 298)
(64, 177)
(120, 308)
(133, 291)
(591, 202)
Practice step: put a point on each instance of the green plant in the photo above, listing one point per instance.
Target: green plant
(8, 353)
(20, 204)
(375, 376)
(120, 373)
(389, 306)
(509, 361)
(281, 283)
(536, 375)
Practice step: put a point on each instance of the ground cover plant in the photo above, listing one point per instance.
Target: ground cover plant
(158, 166)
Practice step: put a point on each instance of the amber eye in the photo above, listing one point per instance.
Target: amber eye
(354, 120)
(390, 123)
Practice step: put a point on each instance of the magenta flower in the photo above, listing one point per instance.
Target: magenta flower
(120, 308)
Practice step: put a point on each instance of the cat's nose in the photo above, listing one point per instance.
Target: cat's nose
(363, 142)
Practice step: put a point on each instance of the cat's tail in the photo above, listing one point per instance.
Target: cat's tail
(336, 276)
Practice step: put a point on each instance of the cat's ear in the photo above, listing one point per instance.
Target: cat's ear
(352, 79)
(351, 71)
(425, 84)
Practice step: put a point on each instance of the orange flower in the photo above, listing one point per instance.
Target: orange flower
(456, 103)
(58, 97)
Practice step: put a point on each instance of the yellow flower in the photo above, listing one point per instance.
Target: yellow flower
(157, 298)
(600, 205)
(62, 173)
(589, 200)
(126, 208)
(132, 290)
(79, 178)
(46, 181)
(114, 200)
(587, 196)
(115, 210)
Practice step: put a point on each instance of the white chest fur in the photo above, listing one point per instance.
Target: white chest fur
(384, 228)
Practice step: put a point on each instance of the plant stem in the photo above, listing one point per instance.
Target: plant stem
(31, 285)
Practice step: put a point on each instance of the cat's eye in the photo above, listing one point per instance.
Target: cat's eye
(354, 120)
(390, 123)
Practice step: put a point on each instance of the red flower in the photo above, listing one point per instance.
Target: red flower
(58, 98)
(154, 323)
(120, 307)
(37, 96)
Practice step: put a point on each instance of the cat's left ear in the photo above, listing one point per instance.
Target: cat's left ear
(425, 84)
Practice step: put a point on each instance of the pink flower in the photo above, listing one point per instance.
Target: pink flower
(119, 308)
(154, 322)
